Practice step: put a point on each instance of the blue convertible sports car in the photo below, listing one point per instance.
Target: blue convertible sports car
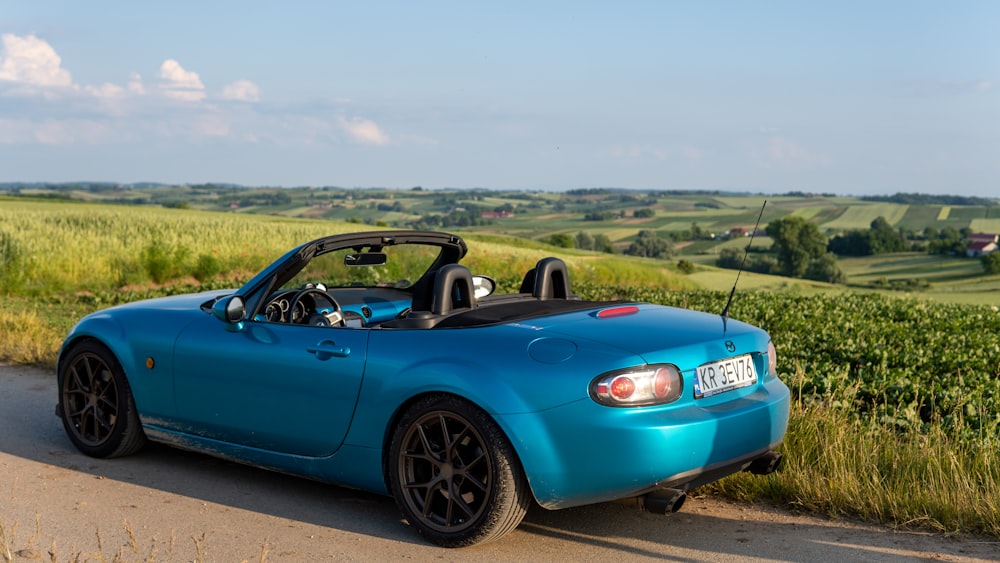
(375, 360)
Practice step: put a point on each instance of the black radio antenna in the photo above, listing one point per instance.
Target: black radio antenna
(725, 312)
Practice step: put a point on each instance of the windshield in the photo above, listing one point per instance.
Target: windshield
(397, 266)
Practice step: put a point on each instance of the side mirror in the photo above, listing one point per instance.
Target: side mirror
(483, 286)
(231, 310)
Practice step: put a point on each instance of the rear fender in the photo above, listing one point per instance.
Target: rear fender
(383, 398)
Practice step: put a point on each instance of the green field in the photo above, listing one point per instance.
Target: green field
(888, 391)
(985, 225)
(861, 216)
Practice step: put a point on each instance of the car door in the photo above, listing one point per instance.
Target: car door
(277, 387)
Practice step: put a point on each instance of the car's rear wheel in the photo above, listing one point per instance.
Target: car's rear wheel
(96, 404)
(454, 474)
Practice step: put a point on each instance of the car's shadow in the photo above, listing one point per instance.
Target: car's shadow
(26, 411)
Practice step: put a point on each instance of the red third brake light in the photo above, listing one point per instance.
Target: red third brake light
(617, 312)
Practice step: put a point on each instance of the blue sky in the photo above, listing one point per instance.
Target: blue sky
(847, 97)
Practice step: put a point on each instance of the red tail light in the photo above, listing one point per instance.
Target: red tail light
(642, 386)
(622, 387)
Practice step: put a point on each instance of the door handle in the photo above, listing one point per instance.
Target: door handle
(327, 349)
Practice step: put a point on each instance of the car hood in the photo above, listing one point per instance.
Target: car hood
(651, 331)
(174, 302)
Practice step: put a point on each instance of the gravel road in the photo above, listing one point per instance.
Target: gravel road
(169, 505)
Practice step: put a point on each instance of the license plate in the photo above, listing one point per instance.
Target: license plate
(724, 375)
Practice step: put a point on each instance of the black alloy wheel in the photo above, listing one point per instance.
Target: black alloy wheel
(454, 474)
(96, 404)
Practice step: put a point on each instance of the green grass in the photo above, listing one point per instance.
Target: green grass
(841, 467)
(910, 265)
(920, 216)
(888, 392)
(952, 279)
(985, 225)
(861, 216)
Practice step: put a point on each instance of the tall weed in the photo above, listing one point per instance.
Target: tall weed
(12, 273)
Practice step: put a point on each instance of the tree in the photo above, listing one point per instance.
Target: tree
(881, 238)
(884, 238)
(948, 241)
(649, 245)
(991, 263)
(733, 259)
(584, 241)
(602, 243)
(730, 258)
(825, 269)
(562, 240)
(796, 243)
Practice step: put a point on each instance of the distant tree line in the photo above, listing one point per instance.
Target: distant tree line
(929, 199)
(583, 240)
(880, 238)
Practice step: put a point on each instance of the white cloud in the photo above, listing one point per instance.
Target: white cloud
(105, 91)
(180, 84)
(241, 91)
(30, 61)
(135, 84)
(363, 131)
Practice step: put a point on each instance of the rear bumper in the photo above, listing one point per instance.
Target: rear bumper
(615, 453)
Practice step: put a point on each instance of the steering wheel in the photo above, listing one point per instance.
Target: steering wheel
(333, 318)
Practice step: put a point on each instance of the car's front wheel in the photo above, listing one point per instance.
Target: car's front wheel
(454, 474)
(96, 404)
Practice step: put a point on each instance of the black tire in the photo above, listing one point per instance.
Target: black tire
(96, 404)
(454, 474)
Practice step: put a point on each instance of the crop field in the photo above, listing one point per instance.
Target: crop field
(966, 214)
(985, 225)
(48, 247)
(861, 216)
(919, 216)
(888, 391)
(910, 264)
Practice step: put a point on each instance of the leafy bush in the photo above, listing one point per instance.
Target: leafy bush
(991, 263)
(163, 263)
(207, 267)
(562, 240)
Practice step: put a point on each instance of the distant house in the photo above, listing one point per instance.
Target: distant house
(738, 232)
(981, 244)
(497, 214)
